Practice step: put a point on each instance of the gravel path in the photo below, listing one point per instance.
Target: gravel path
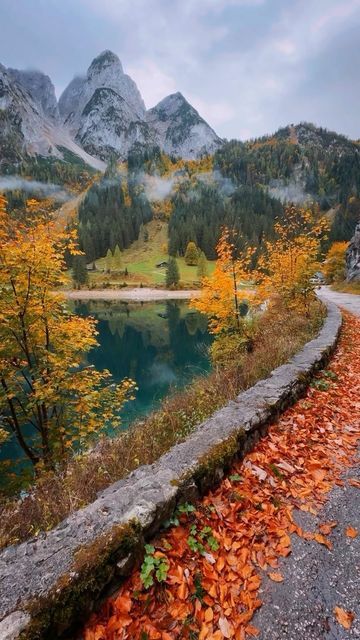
(349, 301)
(316, 579)
(137, 294)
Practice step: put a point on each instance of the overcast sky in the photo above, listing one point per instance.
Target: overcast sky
(248, 66)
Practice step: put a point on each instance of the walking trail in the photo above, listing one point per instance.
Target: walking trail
(274, 551)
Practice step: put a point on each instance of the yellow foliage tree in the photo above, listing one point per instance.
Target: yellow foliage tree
(334, 265)
(290, 261)
(221, 296)
(45, 385)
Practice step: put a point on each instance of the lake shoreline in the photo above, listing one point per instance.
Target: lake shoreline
(144, 294)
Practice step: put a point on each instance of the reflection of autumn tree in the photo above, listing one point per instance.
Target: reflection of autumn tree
(44, 382)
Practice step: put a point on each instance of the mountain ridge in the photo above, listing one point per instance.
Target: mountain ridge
(102, 112)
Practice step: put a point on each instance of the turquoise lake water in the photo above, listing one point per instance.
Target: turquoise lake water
(162, 346)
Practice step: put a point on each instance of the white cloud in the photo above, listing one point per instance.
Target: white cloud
(154, 83)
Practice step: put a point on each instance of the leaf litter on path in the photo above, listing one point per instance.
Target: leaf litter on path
(214, 593)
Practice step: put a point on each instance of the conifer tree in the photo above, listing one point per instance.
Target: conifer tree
(191, 254)
(79, 271)
(172, 273)
(117, 259)
(109, 261)
(202, 270)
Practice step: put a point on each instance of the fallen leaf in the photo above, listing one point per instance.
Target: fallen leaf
(345, 618)
(322, 540)
(276, 577)
(225, 628)
(351, 532)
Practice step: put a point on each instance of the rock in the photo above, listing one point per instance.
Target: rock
(12, 625)
(41, 89)
(353, 257)
(25, 129)
(104, 110)
(180, 130)
(106, 114)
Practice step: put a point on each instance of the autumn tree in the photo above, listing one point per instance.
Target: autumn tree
(172, 273)
(223, 291)
(191, 254)
(291, 259)
(334, 265)
(45, 383)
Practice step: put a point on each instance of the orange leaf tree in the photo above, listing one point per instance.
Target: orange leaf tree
(290, 261)
(334, 265)
(46, 389)
(223, 291)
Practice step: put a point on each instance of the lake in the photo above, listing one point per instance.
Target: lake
(160, 345)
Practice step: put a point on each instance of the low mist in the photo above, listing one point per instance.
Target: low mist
(16, 183)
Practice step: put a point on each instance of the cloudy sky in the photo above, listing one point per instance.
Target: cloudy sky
(248, 66)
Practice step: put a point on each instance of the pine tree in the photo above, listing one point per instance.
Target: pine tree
(202, 270)
(79, 271)
(191, 254)
(109, 260)
(172, 273)
(117, 260)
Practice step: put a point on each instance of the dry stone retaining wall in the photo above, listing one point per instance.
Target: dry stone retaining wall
(48, 584)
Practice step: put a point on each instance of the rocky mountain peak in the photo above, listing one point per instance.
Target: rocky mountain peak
(40, 88)
(103, 61)
(179, 128)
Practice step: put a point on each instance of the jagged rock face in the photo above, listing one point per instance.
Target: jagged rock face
(22, 127)
(109, 126)
(41, 89)
(179, 129)
(353, 257)
(78, 99)
(69, 99)
(104, 110)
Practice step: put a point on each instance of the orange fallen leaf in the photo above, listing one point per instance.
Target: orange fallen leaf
(322, 540)
(354, 482)
(327, 527)
(251, 630)
(345, 618)
(351, 532)
(276, 577)
(209, 615)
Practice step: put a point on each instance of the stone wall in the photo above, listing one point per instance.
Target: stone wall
(48, 584)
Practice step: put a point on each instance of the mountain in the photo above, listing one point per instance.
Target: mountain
(180, 130)
(99, 115)
(297, 163)
(105, 113)
(104, 110)
(25, 130)
(41, 89)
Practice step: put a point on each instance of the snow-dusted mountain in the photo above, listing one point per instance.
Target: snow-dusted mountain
(25, 129)
(180, 130)
(106, 114)
(101, 114)
(41, 89)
